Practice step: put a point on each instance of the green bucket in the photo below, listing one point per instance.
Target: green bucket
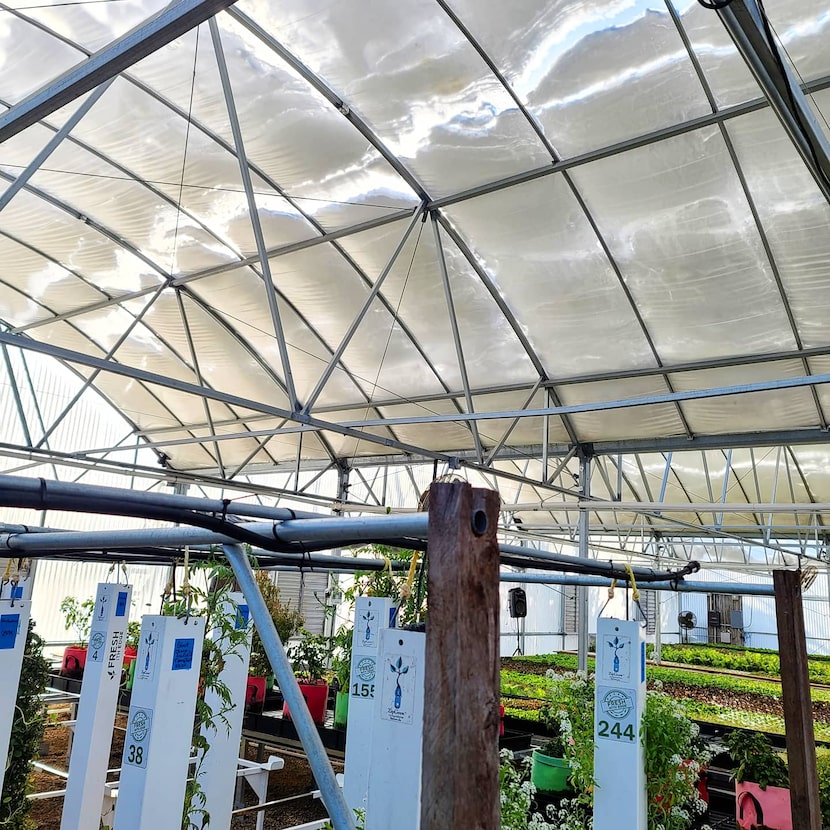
(341, 710)
(549, 775)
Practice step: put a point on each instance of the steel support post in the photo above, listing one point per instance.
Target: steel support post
(582, 591)
(341, 815)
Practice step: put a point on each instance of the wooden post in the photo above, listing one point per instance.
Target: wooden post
(798, 709)
(460, 785)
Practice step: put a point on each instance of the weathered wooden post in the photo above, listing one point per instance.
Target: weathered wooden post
(460, 782)
(798, 707)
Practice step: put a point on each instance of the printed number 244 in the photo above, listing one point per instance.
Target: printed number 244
(607, 730)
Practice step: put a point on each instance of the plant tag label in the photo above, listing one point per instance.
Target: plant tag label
(243, 614)
(137, 741)
(121, 604)
(398, 673)
(615, 656)
(367, 628)
(147, 654)
(9, 626)
(101, 606)
(183, 653)
(97, 643)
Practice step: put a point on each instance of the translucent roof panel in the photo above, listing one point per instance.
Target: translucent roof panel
(573, 60)
(523, 210)
(418, 82)
(680, 228)
(548, 264)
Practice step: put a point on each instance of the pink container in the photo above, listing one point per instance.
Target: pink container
(755, 807)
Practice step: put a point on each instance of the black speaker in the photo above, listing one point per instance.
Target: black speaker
(517, 602)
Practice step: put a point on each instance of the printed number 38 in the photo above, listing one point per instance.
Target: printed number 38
(135, 755)
(607, 730)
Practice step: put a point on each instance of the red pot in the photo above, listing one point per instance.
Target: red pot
(316, 697)
(74, 660)
(255, 692)
(769, 808)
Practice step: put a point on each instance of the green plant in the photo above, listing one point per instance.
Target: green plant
(341, 661)
(823, 768)
(287, 621)
(673, 753)
(674, 757)
(408, 589)
(571, 706)
(359, 820)
(756, 760)
(133, 634)
(210, 601)
(78, 615)
(516, 793)
(26, 735)
(309, 656)
(259, 665)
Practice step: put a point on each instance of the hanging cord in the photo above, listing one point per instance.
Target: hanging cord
(124, 572)
(14, 578)
(419, 593)
(610, 595)
(6, 576)
(186, 584)
(406, 590)
(635, 591)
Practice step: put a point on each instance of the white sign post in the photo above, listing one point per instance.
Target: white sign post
(14, 625)
(216, 770)
(620, 697)
(394, 792)
(96, 709)
(371, 615)
(156, 757)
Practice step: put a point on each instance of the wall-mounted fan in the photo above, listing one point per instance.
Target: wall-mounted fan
(687, 621)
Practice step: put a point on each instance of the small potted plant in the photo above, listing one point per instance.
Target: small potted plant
(259, 670)
(131, 652)
(550, 769)
(308, 657)
(762, 795)
(287, 622)
(77, 616)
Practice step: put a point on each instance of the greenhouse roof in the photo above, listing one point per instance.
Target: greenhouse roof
(500, 236)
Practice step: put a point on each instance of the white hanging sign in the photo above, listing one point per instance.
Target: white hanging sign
(92, 738)
(620, 693)
(14, 626)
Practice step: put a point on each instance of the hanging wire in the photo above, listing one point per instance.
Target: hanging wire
(395, 316)
(184, 153)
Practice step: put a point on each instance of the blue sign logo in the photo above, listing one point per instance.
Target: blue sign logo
(183, 653)
(9, 625)
(121, 604)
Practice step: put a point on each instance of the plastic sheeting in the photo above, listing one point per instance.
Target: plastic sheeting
(610, 211)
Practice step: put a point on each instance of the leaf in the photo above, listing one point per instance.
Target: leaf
(405, 669)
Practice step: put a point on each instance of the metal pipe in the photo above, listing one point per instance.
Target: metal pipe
(600, 567)
(682, 586)
(688, 507)
(301, 531)
(325, 529)
(33, 486)
(341, 815)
